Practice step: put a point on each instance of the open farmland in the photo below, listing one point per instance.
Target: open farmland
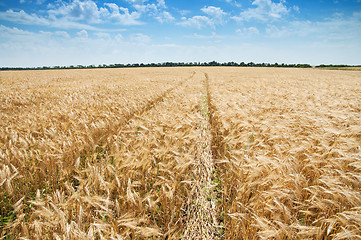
(180, 153)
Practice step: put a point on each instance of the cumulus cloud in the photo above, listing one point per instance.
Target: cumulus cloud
(78, 15)
(22, 38)
(121, 15)
(23, 18)
(264, 10)
(164, 17)
(215, 16)
(6, 32)
(78, 10)
(147, 8)
(161, 4)
(83, 14)
(196, 21)
(82, 34)
(155, 10)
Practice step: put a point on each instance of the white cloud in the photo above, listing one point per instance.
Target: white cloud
(23, 18)
(83, 34)
(161, 4)
(184, 12)
(248, 32)
(140, 38)
(33, 19)
(196, 21)
(119, 37)
(22, 1)
(209, 37)
(215, 17)
(66, 24)
(125, 17)
(157, 11)
(102, 35)
(6, 31)
(233, 2)
(334, 29)
(265, 10)
(337, 37)
(23, 48)
(62, 34)
(147, 9)
(216, 14)
(142, 4)
(296, 9)
(78, 10)
(278, 32)
(77, 15)
(136, 1)
(164, 17)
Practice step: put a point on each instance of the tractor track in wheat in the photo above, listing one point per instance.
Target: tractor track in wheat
(116, 127)
(203, 220)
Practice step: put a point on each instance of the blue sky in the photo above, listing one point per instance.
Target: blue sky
(72, 32)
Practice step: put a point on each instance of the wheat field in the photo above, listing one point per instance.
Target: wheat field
(180, 153)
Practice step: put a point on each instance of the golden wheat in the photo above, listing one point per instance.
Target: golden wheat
(180, 153)
(291, 141)
(56, 126)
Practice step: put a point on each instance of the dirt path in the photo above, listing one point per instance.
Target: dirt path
(202, 223)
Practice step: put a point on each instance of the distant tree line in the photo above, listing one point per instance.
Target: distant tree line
(164, 64)
(336, 66)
